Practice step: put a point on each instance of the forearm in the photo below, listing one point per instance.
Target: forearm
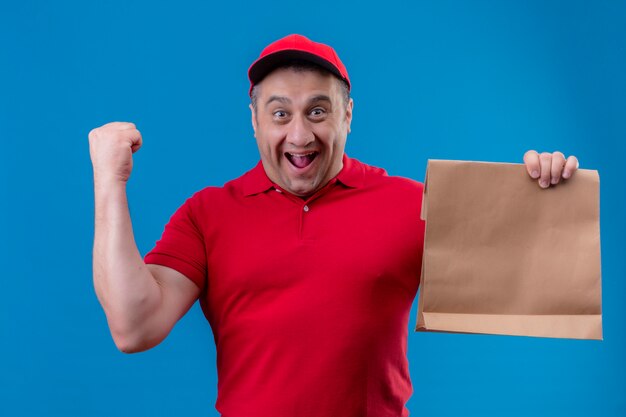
(127, 291)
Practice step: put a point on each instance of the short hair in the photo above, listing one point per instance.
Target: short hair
(300, 65)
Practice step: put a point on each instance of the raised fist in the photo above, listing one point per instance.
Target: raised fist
(111, 147)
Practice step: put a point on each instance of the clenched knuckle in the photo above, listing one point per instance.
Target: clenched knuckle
(94, 134)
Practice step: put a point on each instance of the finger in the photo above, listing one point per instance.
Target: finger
(137, 141)
(132, 138)
(531, 160)
(558, 162)
(127, 137)
(545, 161)
(571, 165)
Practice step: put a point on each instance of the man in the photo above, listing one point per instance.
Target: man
(306, 266)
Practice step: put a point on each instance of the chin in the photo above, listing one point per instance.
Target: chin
(302, 190)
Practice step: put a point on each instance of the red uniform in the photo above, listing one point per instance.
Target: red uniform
(309, 299)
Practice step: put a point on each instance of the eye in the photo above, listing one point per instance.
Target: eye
(317, 112)
(280, 114)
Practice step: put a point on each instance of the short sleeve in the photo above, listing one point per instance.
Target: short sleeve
(181, 246)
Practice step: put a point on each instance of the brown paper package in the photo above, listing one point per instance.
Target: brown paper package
(503, 256)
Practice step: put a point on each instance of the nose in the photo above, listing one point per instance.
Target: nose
(299, 133)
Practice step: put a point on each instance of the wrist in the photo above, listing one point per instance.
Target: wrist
(108, 191)
(108, 182)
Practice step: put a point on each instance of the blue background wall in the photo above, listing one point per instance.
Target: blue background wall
(432, 79)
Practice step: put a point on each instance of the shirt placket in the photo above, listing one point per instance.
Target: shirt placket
(305, 206)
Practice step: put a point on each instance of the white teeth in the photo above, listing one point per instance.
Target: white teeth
(301, 155)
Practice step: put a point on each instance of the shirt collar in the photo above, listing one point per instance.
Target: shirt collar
(352, 174)
(256, 180)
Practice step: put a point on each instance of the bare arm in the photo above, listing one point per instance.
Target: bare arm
(141, 302)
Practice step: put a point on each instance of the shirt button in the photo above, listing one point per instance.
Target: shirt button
(278, 191)
(306, 209)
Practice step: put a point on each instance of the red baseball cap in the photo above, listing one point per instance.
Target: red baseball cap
(296, 47)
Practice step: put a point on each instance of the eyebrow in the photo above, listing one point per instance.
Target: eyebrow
(280, 99)
(320, 97)
(285, 100)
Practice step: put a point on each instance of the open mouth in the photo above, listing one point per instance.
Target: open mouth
(301, 160)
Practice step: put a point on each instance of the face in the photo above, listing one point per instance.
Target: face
(300, 126)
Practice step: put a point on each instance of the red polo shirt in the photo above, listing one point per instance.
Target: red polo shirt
(309, 300)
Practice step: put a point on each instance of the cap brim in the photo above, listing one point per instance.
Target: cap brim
(267, 64)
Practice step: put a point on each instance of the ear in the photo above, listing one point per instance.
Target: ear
(253, 115)
(349, 113)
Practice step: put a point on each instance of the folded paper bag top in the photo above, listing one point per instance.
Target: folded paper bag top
(503, 256)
